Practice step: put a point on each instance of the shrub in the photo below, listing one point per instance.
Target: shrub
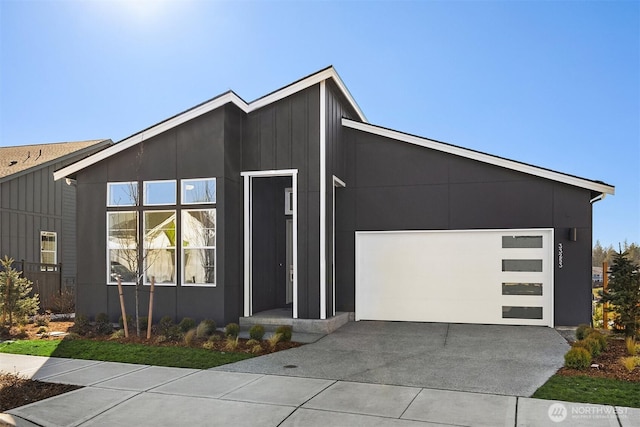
(251, 342)
(632, 349)
(209, 345)
(624, 292)
(577, 358)
(103, 326)
(285, 332)
(41, 320)
(582, 331)
(65, 302)
(15, 293)
(214, 338)
(168, 329)
(119, 334)
(42, 330)
(274, 340)
(190, 336)
(602, 340)
(72, 336)
(629, 362)
(255, 349)
(206, 328)
(81, 324)
(232, 330)
(232, 343)
(256, 332)
(590, 344)
(186, 324)
(160, 339)
(164, 325)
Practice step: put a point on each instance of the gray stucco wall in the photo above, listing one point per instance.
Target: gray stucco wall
(393, 185)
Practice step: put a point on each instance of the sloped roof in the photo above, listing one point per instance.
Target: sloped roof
(595, 186)
(14, 160)
(212, 104)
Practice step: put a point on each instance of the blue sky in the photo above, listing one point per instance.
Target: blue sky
(554, 84)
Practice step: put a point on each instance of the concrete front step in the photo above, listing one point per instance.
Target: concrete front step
(314, 326)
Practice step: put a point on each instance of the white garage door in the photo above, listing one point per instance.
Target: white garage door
(479, 276)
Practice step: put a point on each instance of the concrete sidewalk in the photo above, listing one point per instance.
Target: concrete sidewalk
(118, 394)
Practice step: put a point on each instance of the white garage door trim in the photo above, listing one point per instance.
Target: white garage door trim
(401, 275)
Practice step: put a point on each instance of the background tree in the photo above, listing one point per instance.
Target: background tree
(624, 292)
(14, 294)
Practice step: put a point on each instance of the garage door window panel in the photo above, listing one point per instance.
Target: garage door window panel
(512, 288)
(523, 265)
(521, 242)
(517, 312)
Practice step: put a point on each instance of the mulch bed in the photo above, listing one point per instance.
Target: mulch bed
(16, 391)
(609, 365)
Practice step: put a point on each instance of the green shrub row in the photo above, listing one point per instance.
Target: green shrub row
(589, 345)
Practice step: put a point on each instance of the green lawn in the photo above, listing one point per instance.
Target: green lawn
(111, 351)
(585, 389)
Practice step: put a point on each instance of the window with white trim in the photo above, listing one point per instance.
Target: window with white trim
(199, 247)
(159, 192)
(198, 191)
(122, 238)
(48, 247)
(122, 194)
(160, 247)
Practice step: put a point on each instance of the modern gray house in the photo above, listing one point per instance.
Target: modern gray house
(38, 214)
(295, 201)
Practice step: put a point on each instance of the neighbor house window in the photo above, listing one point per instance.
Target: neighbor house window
(122, 193)
(122, 244)
(159, 193)
(160, 246)
(199, 247)
(198, 191)
(48, 248)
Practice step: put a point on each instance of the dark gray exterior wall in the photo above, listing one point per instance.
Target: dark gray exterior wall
(393, 185)
(32, 202)
(337, 165)
(195, 149)
(285, 135)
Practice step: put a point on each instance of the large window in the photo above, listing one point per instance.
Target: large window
(160, 246)
(122, 193)
(198, 191)
(150, 235)
(122, 238)
(159, 193)
(199, 247)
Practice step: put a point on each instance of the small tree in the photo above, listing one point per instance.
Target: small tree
(624, 292)
(14, 294)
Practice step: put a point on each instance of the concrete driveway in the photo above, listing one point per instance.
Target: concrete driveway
(507, 360)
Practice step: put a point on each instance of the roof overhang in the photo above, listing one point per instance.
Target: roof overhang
(217, 102)
(594, 186)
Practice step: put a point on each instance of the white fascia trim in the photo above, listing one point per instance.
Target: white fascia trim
(149, 133)
(228, 97)
(323, 201)
(481, 157)
(276, 172)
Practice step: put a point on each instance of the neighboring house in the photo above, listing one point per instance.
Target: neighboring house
(38, 214)
(294, 200)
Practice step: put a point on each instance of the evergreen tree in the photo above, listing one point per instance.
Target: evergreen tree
(624, 292)
(14, 294)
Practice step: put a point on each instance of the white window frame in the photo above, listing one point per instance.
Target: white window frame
(182, 191)
(131, 183)
(159, 181)
(137, 217)
(214, 247)
(146, 280)
(54, 251)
